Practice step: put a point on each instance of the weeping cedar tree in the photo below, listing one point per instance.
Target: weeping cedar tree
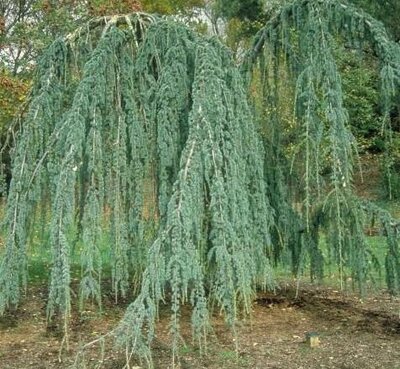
(137, 123)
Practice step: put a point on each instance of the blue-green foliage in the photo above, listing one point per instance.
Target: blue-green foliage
(134, 107)
(212, 237)
(300, 42)
(26, 184)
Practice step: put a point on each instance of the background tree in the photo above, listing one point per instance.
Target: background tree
(390, 162)
(385, 11)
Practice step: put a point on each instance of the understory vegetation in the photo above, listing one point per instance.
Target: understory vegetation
(148, 156)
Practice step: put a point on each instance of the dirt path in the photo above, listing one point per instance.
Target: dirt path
(353, 334)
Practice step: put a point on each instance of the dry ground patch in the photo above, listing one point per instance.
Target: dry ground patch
(353, 334)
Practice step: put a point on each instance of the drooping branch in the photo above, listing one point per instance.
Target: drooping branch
(300, 41)
(164, 108)
(206, 242)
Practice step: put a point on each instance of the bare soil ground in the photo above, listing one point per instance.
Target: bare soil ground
(353, 334)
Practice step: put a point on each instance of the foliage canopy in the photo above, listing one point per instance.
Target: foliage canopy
(142, 130)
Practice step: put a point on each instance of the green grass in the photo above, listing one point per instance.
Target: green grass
(39, 264)
(376, 278)
(226, 357)
(40, 258)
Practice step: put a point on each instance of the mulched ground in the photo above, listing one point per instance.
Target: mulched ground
(353, 334)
